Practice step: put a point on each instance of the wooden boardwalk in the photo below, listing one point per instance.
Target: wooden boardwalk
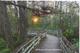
(50, 44)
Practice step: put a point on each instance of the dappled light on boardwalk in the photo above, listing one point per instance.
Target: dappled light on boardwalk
(50, 44)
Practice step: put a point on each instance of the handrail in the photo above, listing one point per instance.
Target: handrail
(25, 44)
(30, 45)
(34, 45)
(68, 44)
(65, 45)
(65, 48)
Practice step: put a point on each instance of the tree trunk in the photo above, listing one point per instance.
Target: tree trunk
(22, 20)
(6, 28)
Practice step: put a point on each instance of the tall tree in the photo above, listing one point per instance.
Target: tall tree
(22, 19)
(6, 28)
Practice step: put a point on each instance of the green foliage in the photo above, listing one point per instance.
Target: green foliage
(3, 48)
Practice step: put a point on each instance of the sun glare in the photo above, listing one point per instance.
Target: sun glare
(35, 19)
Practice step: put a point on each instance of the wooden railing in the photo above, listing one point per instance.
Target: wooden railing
(66, 48)
(65, 45)
(30, 45)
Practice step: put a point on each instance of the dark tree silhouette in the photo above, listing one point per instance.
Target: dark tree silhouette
(5, 28)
